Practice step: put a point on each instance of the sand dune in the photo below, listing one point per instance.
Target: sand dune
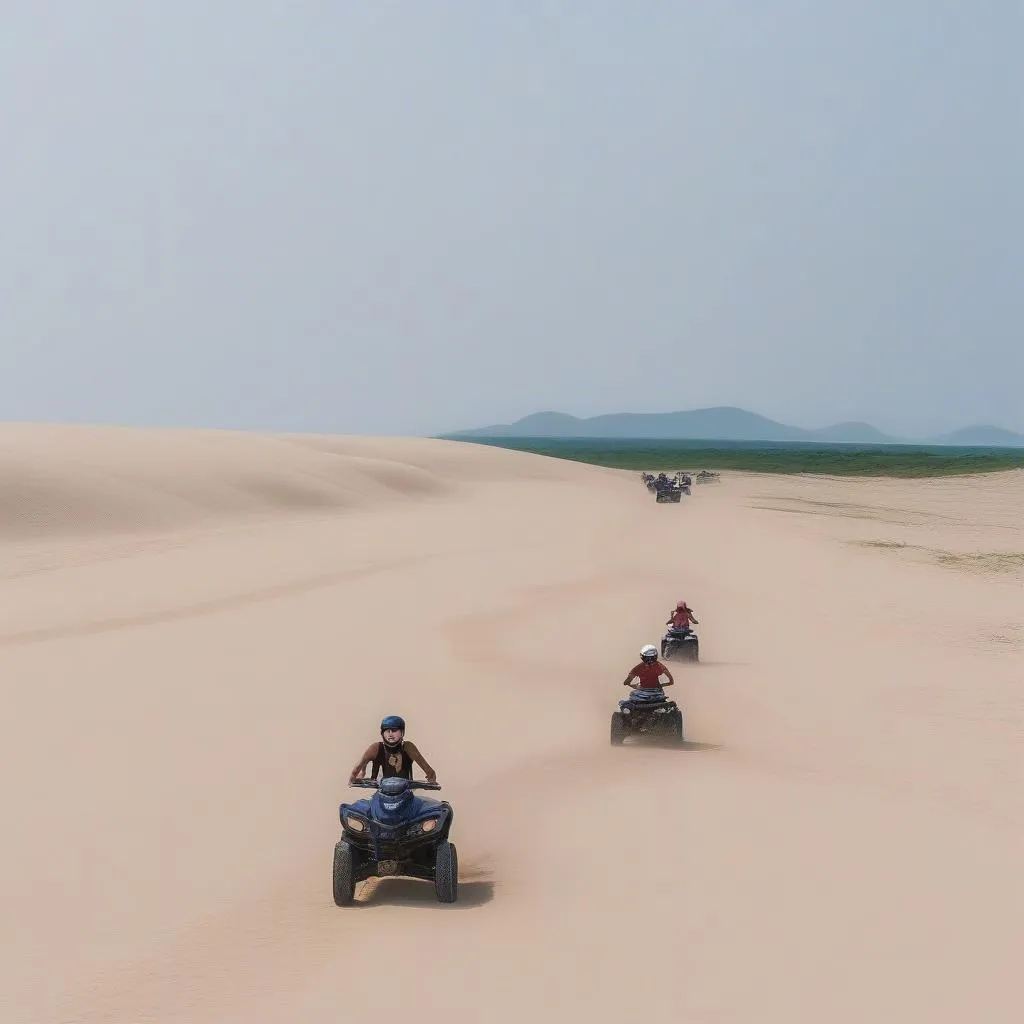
(202, 630)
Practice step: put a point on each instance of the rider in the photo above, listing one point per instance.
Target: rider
(394, 755)
(681, 617)
(648, 675)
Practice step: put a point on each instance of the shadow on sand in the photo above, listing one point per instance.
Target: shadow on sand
(411, 892)
(667, 743)
(711, 663)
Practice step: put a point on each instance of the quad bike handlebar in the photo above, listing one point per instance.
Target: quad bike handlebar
(375, 784)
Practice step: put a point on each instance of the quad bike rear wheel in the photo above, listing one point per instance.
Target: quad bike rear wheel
(618, 729)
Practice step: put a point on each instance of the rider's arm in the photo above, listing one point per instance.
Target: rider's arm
(414, 753)
(666, 672)
(363, 762)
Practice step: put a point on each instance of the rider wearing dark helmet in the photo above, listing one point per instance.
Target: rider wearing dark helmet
(393, 756)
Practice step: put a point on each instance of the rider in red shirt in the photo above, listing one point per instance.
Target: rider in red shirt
(649, 672)
(682, 616)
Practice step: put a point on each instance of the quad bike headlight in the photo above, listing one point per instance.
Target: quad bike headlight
(354, 823)
(430, 824)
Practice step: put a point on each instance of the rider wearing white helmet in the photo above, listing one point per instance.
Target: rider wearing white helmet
(648, 672)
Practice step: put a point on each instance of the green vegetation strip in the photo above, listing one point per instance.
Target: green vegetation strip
(895, 461)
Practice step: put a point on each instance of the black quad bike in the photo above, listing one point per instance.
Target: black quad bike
(681, 645)
(640, 718)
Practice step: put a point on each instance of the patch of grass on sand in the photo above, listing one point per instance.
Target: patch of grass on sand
(827, 460)
(842, 509)
(997, 562)
(984, 561)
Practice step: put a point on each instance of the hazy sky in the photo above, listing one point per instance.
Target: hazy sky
(385, 217)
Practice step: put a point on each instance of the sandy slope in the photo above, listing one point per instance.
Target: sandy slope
(201, 631)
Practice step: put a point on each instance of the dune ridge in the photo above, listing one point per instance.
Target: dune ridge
(66, 481)
(202, 631)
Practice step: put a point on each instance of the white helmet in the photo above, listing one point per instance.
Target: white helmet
(649, 653)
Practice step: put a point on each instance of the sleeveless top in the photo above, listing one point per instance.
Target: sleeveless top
(391, 763)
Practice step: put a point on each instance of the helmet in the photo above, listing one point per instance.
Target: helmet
(680, 605)
(392, 722)
(649, 653)
(395, 795)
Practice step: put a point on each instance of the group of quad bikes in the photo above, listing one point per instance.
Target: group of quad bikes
(662, 716)
(395, 833)
(667, 488)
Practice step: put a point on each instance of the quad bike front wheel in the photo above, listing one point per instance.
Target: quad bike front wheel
(344, 875)
(446, 873)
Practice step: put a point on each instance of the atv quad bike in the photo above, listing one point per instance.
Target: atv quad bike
(683, 482)
(668, 494)
(395, 833)
(681, 644)
(638, 717)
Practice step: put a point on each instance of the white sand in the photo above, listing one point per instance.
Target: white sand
(201, 632)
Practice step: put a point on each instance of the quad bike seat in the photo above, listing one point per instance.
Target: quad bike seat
(664, 704)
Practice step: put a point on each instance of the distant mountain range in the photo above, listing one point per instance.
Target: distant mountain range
(725, 423)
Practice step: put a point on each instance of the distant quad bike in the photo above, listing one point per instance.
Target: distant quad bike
(706, 476)
(639, 717)
(680, 644)
(395, 833)
(666, 494)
